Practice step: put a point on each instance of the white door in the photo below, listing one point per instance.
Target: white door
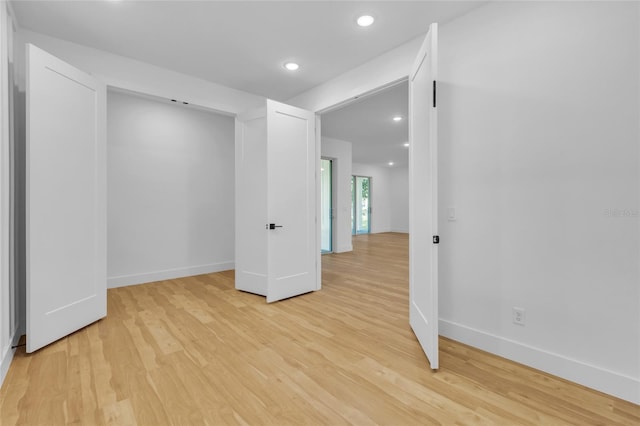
(251, 202)
(423, 189)
(277, 244)
(65, 199)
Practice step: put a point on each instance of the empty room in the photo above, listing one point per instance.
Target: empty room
(200, 224)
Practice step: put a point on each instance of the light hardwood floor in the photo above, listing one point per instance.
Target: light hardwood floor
(196, 351)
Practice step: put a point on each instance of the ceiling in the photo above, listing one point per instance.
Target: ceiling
(368, 124)
(241, 44)
(244, 45)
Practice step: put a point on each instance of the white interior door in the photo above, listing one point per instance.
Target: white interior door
(251, 214)
(277, 161)
(292, 166)
(65, 199)
(423, 190)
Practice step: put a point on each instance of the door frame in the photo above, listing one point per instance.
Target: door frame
(384, 81)
(384, 85)
(391, 82)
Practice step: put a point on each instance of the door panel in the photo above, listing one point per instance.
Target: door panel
(423, 205)
(291, 191)
(66, 199)
(251, 202)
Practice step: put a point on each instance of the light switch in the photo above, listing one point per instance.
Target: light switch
(451, 214)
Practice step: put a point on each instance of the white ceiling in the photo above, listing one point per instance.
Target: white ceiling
(241, 44)
(368, 124)
(244, 44)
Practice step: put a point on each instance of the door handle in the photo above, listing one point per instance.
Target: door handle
(272, 226)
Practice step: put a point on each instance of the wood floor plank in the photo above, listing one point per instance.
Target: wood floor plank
(196, 351)
(119, 414)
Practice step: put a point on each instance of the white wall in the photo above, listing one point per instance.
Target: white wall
(129, 74)
(539, 139)
(539, 131)
(340, 152)
(170, 190)
(399, 199)
(380, 193)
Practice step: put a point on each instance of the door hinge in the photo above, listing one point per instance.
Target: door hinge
(434, 93)
(436, 239)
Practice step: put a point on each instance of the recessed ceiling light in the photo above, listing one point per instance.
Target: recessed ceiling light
(365, 20)
(406, 144)
(391, 163)
(291, 66)
(397, 118)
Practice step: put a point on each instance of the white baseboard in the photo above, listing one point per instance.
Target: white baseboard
(7, 356)
(380, 231)
(400, 231)
(168, 274)
(603, 380)
(343, 249)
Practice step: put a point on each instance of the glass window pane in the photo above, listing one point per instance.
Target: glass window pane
(361, 202)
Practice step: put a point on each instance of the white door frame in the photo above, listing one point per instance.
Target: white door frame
(7, 301)
(344, 102)
(366, 93)
(391, 82)
(319, 205)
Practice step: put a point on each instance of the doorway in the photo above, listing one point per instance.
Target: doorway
(360, 205)
(326, 206)
(368, 138)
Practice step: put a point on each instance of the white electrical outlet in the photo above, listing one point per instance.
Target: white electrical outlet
(518, 315)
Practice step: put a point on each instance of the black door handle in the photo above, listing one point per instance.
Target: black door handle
(273, 226)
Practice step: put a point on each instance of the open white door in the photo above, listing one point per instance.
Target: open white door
(423, 196)
(65, 199)
(276, 202)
